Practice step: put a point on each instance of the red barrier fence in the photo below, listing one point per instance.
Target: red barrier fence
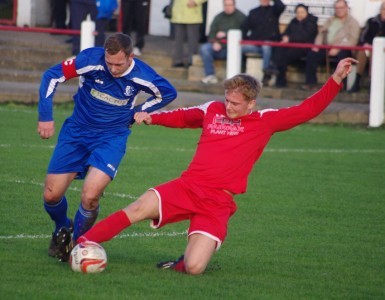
(302, 45)
(40, 29)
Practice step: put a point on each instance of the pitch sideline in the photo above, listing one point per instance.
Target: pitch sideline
(271, 150)
(120, 236)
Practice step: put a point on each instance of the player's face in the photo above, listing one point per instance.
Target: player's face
(118, 63)
(236, 105)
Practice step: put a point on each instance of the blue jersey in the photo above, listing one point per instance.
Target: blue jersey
(102, 101)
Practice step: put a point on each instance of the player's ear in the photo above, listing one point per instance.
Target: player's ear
(252, 104)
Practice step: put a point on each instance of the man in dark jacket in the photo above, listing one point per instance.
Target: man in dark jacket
(79, 11)
(302, 28)
(374, 27)
(135, 17)
(262, 24)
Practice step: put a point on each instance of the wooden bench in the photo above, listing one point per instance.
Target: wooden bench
(253, 66)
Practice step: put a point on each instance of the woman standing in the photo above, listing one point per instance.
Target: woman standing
(187, 17)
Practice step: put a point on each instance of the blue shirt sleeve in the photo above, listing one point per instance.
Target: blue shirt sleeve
(50, 79)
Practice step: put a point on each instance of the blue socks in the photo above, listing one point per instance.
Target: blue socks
(58, 213)
(84, 219)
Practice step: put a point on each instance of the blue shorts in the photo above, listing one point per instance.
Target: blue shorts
(78, 148)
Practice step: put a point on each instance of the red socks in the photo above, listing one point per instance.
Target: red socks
(107, 228)
(179, 265)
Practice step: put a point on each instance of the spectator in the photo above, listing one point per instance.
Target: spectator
(135, 19)
(302, 28)
(262, 24)
(59, 13)
(341, 30)
(374, 27)
(230, 18)
(79, 11)
(106, 9)
(187, 17)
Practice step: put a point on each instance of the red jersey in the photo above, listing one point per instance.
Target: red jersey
(228, 148)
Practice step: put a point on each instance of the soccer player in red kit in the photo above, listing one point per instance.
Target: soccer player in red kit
(233, 138)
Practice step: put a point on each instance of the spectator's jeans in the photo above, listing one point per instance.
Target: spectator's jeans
(265, 51)
(209, 55)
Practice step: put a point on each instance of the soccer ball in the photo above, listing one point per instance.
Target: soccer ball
(88, 257)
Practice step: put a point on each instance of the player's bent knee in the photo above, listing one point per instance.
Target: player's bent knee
(146, 207)
(51, 197)
(90, 204)
(90, 200)
(194, 268)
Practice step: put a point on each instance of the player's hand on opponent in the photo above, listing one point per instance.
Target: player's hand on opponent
(343, 69)
(46, 129)
(142, 117)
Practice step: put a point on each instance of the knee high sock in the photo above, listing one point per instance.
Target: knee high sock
(84, 219)
(107, 228)
(180, 266)
(58, 213)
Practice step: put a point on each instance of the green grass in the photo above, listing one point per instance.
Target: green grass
(311, 225)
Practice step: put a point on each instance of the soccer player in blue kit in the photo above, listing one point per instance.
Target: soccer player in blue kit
(92, 141)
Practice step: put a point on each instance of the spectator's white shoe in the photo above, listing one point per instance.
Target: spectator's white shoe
(136, 51)
(211, 79)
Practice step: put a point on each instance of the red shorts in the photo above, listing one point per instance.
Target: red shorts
(208, 210)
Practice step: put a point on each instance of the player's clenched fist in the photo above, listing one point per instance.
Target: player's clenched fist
(142, 117)
(46, 129)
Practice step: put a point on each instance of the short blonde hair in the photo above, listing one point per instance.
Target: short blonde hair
(245, 84)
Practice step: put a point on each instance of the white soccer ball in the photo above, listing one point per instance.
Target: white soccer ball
(88, 257)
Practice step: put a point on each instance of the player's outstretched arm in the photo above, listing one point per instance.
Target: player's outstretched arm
(142, 117)
(343, 69)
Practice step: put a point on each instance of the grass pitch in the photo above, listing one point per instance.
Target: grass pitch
(311, 225)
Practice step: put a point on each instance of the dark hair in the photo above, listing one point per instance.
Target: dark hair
(118, 42)
(245, 84)
(303, 6)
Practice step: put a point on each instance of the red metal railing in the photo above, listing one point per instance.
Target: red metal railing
(302, 45)
(40, 29)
